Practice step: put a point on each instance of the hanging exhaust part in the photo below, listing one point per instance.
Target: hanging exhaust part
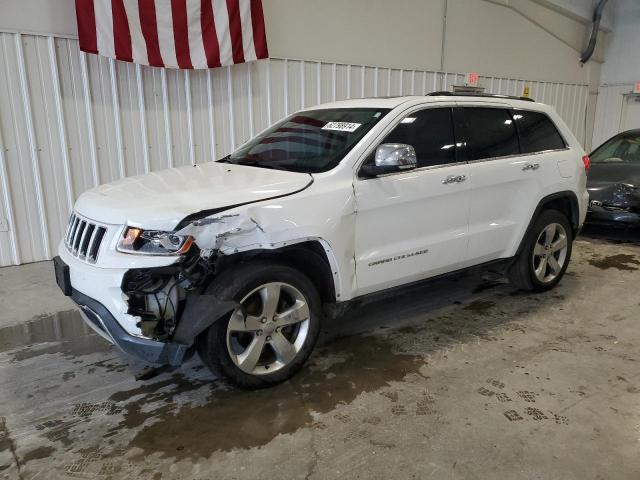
(595, 26)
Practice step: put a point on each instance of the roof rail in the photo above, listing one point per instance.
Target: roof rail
(486, 95)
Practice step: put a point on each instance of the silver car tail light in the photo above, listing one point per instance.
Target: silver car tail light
(84, 237)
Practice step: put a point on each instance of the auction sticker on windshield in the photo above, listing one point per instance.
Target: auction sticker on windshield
(342, 126)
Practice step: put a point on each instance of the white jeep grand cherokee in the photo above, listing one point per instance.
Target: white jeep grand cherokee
(237, 258)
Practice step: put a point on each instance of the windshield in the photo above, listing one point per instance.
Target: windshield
(624, 149)
(311, 141)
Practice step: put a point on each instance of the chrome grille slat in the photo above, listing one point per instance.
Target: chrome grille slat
(95, 245)
(78, 236)
(66, 235)
(84, 237)
(91, 240)
(84, 241)
(88, 256)
(72, 231)
(75, 234)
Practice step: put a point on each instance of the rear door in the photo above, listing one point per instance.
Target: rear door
(412, 225)
(507, 173)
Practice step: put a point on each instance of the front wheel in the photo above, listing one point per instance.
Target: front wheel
(546, 253)
(271, 333)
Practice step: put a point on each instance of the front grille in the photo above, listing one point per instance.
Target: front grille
(84, 237)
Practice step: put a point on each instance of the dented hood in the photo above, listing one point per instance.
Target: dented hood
(159, 200)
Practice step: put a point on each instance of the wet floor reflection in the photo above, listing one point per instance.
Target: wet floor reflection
(182, 417)
(62, 332)
(231, 418)
(188, 413)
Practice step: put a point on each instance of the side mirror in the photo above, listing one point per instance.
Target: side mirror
(390, 158)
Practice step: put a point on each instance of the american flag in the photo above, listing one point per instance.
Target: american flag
(173, 33)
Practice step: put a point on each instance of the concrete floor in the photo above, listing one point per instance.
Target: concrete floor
(459, 378)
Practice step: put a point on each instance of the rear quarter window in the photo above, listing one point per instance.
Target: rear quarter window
(537, 132)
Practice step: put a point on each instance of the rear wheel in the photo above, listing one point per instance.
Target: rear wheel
(546, 253)
(268, 337)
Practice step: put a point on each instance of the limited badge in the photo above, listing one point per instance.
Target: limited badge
(342, 126)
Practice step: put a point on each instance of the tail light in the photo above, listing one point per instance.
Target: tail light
(587, 162)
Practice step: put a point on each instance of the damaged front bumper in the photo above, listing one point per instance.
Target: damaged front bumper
(621, 218)
(100, 319)
(101, 288)
(617, 204)
(155, 307)
(108, 309)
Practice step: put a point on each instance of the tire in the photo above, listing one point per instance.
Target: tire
(534, 269)
(230, 346)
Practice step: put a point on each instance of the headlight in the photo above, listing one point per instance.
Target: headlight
(153, 242)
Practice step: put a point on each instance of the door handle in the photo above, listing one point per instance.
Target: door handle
(450, 179)
(454, 179)
(531, 166)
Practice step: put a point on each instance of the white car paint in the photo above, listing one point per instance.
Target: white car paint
(159, 200)
(396, 241)
(427, 227)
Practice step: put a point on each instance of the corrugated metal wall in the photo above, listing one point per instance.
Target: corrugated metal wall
(609, 110)
(70, 121)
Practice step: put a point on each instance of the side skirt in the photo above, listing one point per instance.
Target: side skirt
(499, 266)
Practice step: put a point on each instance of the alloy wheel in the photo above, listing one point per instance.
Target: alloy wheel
(550, 252)
(269, 328)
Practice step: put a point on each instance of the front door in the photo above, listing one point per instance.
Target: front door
(413, 225)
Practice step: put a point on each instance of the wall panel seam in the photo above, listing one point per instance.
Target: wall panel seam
(33, 147)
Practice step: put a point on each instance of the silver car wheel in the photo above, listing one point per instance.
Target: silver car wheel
(269, 328)
(550, 252)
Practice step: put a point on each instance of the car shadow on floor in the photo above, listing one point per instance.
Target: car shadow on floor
(610, 234)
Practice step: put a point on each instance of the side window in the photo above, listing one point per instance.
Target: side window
(537, 132)
(430, 133)
(487, 132)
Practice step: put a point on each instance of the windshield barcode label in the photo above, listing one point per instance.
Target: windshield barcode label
(342, 126)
